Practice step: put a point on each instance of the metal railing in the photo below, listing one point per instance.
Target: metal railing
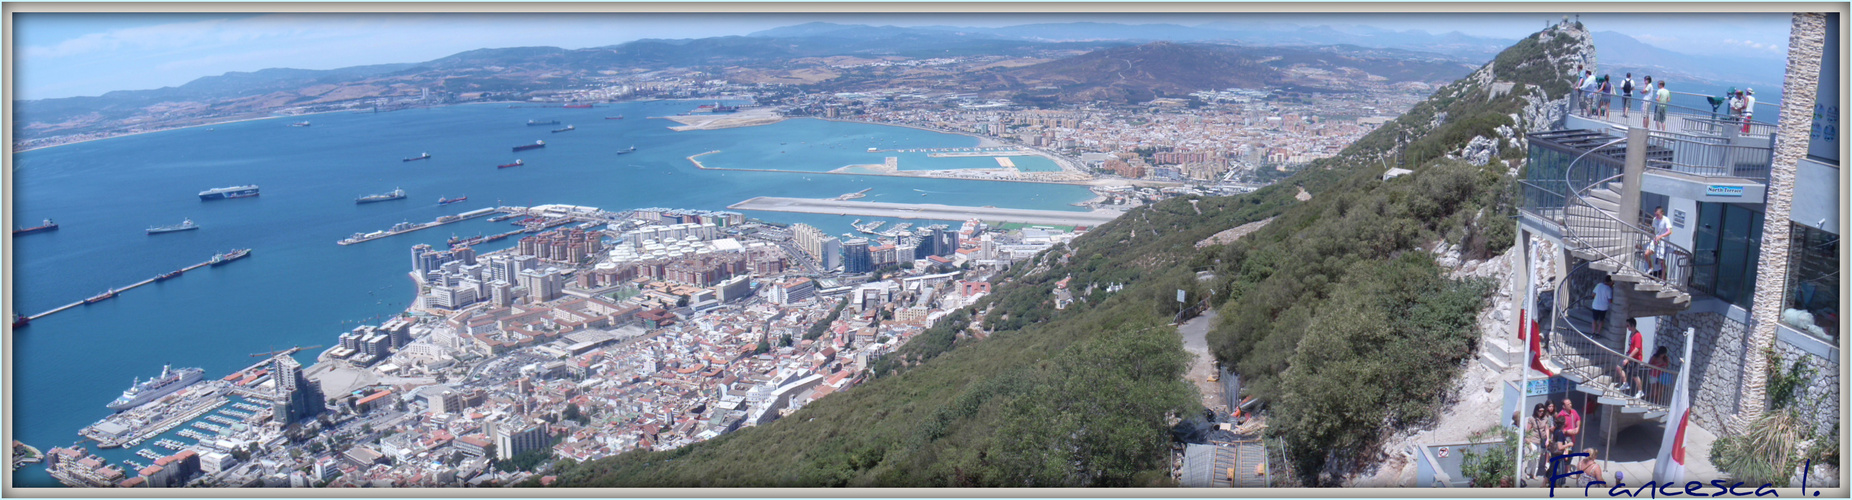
(1708, 156)
(1689, 118)
(1595, 230)
(1544, 198)
(1586, 357)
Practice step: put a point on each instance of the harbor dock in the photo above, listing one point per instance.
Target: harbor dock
(116, 290)
(403, 228)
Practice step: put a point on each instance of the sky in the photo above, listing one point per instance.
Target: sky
(67, 54)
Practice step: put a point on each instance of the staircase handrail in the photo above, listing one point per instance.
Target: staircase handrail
(1600, 356)
(1677, 259)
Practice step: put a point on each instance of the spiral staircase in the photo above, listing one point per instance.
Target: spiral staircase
(1601, 242)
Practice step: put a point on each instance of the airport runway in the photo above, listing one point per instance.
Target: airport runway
(925, 211)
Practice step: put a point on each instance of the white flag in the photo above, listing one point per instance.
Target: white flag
(1670, 468)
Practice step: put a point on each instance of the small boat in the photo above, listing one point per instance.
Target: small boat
(447, 201)
(627, 151)
(185, 225)
(516, 163)
(425, 156)
(20, 320)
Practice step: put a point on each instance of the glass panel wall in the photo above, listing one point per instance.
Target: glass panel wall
(1810, 304)
(1728, 244)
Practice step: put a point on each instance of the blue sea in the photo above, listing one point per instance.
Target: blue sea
(299, 288)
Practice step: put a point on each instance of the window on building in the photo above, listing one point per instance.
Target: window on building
(1810, 303)
(1728, 244)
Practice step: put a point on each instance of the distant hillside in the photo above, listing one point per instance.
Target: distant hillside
(1141, 73)
(1455, 45)
(1621, 54)
(1335, 291)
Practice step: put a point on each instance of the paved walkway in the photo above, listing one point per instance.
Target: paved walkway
(1635, 452)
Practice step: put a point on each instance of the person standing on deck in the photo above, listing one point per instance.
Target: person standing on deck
(1749, 107)
(1646, 103)
(1626, 88)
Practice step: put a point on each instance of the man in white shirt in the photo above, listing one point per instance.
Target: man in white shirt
(1662, 229)
(1604, 298)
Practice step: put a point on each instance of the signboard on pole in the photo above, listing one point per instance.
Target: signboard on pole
(1179, 295)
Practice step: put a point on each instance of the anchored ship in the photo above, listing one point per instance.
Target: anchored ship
(229, 256)
(425, 156)
(101, 297)
(516, 163)
(396, 194)
(533, 123)
(152, 389)
(568, 128)
(578, 106)
(47, 226)
(447, 201)
(299, 124)
(170, 275)
(229, 192)
(535, 145)
(185, 225)
(627, 151)
(618, 117)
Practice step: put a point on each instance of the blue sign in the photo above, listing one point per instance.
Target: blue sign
(1540, 387)
(1736, 191)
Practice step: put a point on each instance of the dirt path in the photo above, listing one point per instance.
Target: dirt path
(1202, 362)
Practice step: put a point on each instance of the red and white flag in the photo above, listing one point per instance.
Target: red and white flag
(1670, 468)
(1536, 352)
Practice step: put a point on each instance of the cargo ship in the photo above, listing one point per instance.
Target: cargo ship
(226, 193)
(568, 128)
(101, 297)
(229, 256)
(516, 163)
(618, 117)
(396, 194)
(170, 275)
(578, 106)
(425, 156)
(185, 225)
(299, 124)
(152, 389)
(535, 145)
(447, 201)
(47, 226)
(536, 123)
(627, 151)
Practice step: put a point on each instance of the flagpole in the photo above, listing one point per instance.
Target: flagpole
(1530, 301)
